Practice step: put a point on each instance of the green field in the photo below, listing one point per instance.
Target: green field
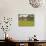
(26, 23)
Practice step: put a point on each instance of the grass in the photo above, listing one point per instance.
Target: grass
(26, 23)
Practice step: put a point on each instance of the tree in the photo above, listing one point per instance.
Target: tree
(30, 17)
